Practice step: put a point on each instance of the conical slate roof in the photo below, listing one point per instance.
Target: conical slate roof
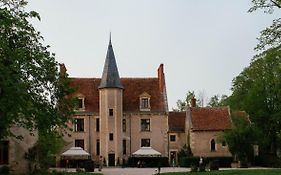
(110, 76)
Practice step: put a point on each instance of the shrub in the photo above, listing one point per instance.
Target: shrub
(148, 161)
(89, 166)
(202, 168)
(267, 161)
(214, 165)
(222, 161)
(188, 161)
(194, 168)
(4, 170)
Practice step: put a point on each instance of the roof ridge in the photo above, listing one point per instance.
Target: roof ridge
(209, 107)
(138, 78)
(83, 78)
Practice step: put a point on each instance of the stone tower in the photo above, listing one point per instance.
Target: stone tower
(110, 110)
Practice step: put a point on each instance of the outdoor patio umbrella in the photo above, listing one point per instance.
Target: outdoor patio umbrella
(146, 152)
(75, 153)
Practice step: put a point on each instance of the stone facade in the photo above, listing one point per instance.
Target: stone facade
(17, 148)
(201, 145)
(205, 125)
(118, 116)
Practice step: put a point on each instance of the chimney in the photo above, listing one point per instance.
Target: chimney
(193, 102)
(62, 69)
(161, 77)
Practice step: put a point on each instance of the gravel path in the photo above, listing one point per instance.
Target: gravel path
(139, 171)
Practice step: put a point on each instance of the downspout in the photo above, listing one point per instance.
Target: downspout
(90, 145)
(130, 116)
(169, 147)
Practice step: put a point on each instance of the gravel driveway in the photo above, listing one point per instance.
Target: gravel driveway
(139, 171)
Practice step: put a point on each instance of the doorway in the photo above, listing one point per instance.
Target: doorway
(111, 159)
(173, 158)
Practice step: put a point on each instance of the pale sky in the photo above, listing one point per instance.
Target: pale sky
(203, 44)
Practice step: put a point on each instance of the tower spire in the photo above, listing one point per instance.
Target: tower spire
(110, 38)
(110, 76)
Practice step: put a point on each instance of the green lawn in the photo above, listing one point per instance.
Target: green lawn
(65, 173)
(232, 172)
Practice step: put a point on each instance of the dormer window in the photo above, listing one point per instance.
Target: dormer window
(80, 105)
(144, 102)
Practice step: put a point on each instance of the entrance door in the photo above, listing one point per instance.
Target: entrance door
(111, 159)
(173, 156)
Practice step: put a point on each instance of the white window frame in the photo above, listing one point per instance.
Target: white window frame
(75, 124)
(141, 128)
(82, 98)
(175, 137)
(144, 96)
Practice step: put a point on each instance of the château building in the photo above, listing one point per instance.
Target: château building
(118, 117)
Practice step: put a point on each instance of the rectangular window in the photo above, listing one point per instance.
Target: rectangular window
(110, 112)
(97, 124)
(79, 143)
(172, 138)
(80, 103)
(98, 147)
(110, 136)
(145, 142)
(79, 125)
(145, 124)
(124, 125)
(124, 147)
(144, 103)
(4, 152)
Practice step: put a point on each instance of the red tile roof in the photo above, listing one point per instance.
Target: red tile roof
(176, 121)
(205, 119)
(88, 87)
(133, 88)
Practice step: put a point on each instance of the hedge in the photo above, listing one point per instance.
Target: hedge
(148, 161)
(189, 161)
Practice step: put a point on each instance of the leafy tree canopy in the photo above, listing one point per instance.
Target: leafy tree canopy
(217, 101)
(183, 104)
(257, 91)
(32, 92)
(271, 36)
(241, 137)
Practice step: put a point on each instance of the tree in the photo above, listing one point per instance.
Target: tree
(257, 91)
(32, 92)
(183, 104)
(240, 138)
(217, 101)
(271, 36)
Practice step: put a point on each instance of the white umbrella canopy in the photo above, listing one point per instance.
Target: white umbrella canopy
(75, 153)
(146, 152)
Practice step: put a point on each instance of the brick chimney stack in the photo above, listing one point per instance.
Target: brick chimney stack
(161, 77)
(193, 102)
(62, 69)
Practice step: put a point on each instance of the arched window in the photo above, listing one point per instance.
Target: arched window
(213, 145)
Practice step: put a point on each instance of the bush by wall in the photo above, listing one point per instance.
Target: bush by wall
(4, 170)
(267, 161)
(148, 161)
(189, 161)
